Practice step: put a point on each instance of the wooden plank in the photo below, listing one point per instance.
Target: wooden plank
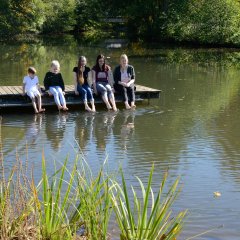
(2, 92)
(6, 90)
(17, 89)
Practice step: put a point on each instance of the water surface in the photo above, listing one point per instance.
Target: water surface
(192, 130)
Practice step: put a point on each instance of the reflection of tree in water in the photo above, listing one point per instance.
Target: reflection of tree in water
(226, 128)
(103, 128)
(83, 129)
(55, 128)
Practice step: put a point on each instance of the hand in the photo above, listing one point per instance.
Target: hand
(128, 84)
(95, 91)
(76, 93)
(113, 90)
(49, 93)
(63, 93)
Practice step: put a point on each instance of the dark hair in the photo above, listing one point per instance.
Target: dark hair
(80, 73)
(97, 67)
(32, 70)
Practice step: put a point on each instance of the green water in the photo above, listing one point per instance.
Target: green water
(192, 130)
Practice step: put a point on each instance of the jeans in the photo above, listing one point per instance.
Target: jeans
(86, 92)
(59, 98)
(104, 89)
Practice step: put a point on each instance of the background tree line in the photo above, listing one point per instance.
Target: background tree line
(200, 21)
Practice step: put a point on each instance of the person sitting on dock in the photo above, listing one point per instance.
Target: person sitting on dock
(124, 78)
(54, 85)
(102, 82)
(81, 86)
(32, 89)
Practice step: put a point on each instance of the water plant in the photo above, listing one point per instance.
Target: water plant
(146, 220)
(73, 203)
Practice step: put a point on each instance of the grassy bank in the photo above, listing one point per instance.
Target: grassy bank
(75, 204)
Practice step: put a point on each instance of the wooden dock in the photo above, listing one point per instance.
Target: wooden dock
(11, 97)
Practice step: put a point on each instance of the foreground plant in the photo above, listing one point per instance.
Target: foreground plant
(150, 218)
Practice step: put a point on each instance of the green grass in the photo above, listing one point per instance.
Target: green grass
(74, 200)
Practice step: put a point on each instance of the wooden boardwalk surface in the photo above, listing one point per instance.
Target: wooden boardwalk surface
(11, 96)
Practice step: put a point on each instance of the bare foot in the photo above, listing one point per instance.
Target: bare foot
(93, 109)
(65, 109)
(127, 106)
(87, 108)
(36, 112)
(60, 108)
(115, 109)
(41, 110)
(133, 105)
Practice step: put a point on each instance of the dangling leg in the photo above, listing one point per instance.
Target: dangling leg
(131, 94)
(62, 98)
(90, 97)
(111, 97)
(83, 92)
(103, 91)
(40, 109)
(54, 92)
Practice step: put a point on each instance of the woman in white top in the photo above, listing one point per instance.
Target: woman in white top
(32, 89)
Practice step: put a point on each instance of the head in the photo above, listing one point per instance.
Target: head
(123, 60)
(100, 62)
(55, 66)
(31, 71)
(82, 61)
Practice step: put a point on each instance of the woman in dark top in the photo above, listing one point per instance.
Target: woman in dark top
(102, 82)
(81, 74)
(124, 78)
(54, 85)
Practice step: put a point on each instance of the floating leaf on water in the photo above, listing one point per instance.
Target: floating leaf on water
(217, 194)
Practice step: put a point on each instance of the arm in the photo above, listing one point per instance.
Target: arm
(94, 82)
(132, 80)
(23, 88)
(110, 77)
(61, 82)
(46, 83)
(75, 83)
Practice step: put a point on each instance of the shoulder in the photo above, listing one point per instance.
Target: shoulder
(25, 79)
(130, 67)
(117, 68)
(48, 74)
(87, 69)
(94, 68)
(75, 69)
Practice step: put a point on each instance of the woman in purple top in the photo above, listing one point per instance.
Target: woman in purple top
(81, 75)
(102, 83)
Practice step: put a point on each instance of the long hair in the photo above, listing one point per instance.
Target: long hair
(80, 78)
(97, 67)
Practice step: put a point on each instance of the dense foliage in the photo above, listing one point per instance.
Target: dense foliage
(200, 21)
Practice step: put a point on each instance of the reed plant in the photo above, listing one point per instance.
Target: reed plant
(73, 203)
(149, 217)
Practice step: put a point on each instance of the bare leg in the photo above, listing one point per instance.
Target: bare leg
(34, 105)
(87, 107)
(127, 105)
(112, 100)
(93, 106)
(133, 105)
(40, 109)
(105, 99)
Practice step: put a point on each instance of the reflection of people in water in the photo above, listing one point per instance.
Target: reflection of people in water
(33, 129)
(127, 128)
(103, 128)
(55, 129)
(83, 129)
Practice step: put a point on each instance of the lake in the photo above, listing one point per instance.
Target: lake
(192, 130)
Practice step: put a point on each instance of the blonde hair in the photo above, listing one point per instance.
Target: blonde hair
(124, 56)
(56, 64)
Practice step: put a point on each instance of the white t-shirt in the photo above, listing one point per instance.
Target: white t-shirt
(124, 76)
(30, 84)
